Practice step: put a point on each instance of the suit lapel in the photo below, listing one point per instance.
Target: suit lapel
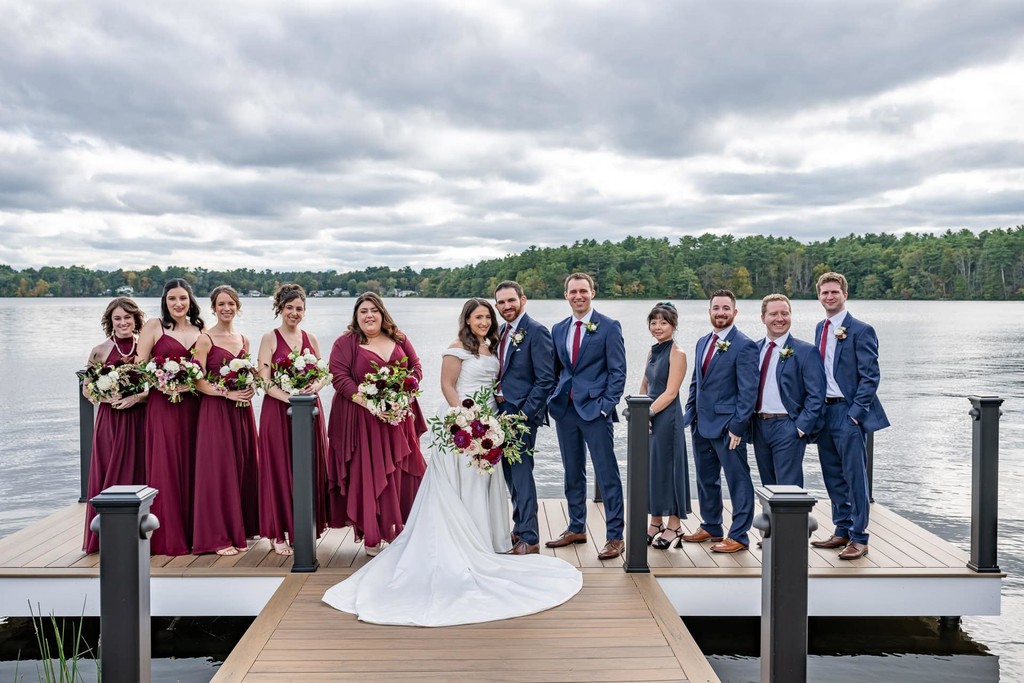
(510, 351)
(559, 334)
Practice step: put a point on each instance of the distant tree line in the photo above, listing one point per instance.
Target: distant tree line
(953, 265)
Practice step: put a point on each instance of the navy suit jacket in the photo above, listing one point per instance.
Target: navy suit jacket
(725, 397)
(855, 369)
(801, 380)
(599, 377)
(528, 371)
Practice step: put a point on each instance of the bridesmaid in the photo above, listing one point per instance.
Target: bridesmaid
(275, 433)
(226, 508)
(374, 469)
(171, 427)
(119, 438)
(669, 484)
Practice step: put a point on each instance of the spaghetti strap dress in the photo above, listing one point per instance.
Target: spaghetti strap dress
(275, 448)
(226, 508)
(669, 488)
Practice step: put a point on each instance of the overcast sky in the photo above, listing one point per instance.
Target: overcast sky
(314, 135)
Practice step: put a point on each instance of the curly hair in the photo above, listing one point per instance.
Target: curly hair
(285, 293)
(128, 306)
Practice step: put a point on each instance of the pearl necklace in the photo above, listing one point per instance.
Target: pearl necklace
(131, 351)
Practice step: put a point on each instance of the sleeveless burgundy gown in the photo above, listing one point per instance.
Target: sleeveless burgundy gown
(226, 508)
(373, 469)
(118, 450)
(171, 459)
(275, 448)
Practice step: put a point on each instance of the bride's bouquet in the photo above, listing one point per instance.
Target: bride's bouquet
(237, 373)
(174, 375)
(299, 371)
(474, 429)
(106, 383)
(389, 391)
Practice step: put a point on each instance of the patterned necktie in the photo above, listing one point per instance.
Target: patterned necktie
(824, 338)
(711, 352)
(576, 341)
(501, 355)
(764, 375)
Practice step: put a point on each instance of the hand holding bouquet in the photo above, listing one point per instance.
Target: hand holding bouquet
(299, 373)
(237, 374)
(111, 383)
(473, 429)
(389, 391)
(173, 375)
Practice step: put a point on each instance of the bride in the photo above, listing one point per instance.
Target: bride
(445, 568)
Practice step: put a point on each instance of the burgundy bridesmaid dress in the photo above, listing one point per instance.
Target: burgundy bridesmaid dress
(118, 449)
(171, 459)
(275, 439)
(226, 508)
(373, 469)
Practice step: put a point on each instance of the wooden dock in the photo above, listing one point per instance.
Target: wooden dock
(620, 627)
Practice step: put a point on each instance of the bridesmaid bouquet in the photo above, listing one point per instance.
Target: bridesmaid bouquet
(299, 371)
(174, 376)
(389, 391)
(105, 383)
(476, 431)
(237, 373)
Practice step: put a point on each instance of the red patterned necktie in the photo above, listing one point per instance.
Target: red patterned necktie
(711, 352)
(764, 375)
(576, 341)
(824, 337)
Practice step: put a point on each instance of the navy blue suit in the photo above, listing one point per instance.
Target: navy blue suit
(778, 447)
(527, 376)
(722, 401)
(584, 420)
(842, 443)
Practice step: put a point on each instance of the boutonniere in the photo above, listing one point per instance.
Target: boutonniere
(722, 345)
(518, 337)
(840, 333)
(591, 327)
(786, 352)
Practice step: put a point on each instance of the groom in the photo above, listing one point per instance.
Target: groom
(526, 374)
(590, 365)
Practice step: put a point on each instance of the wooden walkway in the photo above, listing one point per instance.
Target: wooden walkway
(620, 627)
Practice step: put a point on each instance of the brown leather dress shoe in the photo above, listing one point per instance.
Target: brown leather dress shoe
(524, 548)
(699, 536)
(728, 545)
(611, 550)
(832, 541)
(567, 538)
(514, 537)
(854, 551)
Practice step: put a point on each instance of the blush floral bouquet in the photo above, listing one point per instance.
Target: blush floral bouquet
(299, 371)
(174, 375)
(237, 373)
(389, 391)
(475, 430)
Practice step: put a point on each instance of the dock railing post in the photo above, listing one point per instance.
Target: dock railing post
(985, 412)
(302, 411)
(638, 439)
(86, 425)
(785, 524)
(124, 526)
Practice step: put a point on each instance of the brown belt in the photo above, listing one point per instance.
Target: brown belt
(770, 416)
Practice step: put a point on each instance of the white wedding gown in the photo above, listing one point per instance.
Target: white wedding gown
(445, 568)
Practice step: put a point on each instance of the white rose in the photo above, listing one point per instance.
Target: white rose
(370, 390)
(172, 366)
(235, 364)
(105, 382)
(321, 364)
(151, 366)
(225, 371)
(385, 370)
(300, 363)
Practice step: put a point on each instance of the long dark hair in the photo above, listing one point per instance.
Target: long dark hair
(387, 323)
(466, 336)
(193, 306)
(128, 306)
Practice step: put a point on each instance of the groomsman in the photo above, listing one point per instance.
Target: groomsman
(848, 348)
(723, 391)
(590, 366)
(790, 398)
(526, 373)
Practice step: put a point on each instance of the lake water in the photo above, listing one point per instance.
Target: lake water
(933, 355)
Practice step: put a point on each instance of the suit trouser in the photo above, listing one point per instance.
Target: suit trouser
(779, 451)
(575, 437)
(842, 451)
(710, 457)
(523, 489)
